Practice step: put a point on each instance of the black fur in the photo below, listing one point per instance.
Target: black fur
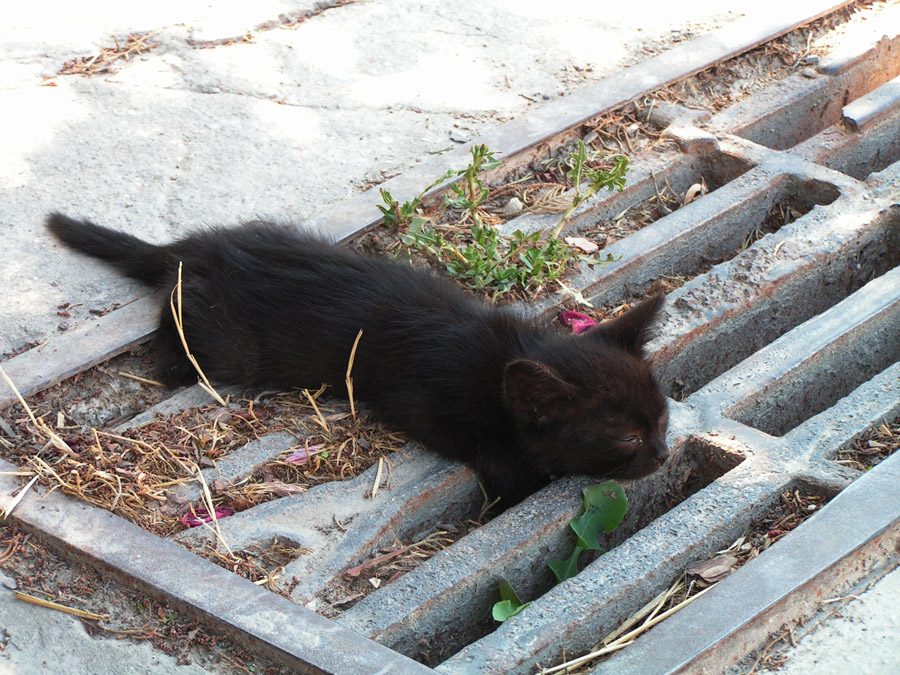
(268, 307)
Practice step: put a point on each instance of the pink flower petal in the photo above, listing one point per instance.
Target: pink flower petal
(301, 456)
(576, 321)
(201, 515)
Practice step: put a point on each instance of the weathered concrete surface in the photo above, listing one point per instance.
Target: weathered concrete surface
(621, 581)
(863, 638)
(39, 640)
(424, 606)
(341, 523)
(268, 623)
(855, 535)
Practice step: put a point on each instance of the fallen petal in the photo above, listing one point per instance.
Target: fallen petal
(585, 245)
(576, 321)
(201, 515)
(301, 456)
(713, 570)
(692, 193)
(284, 489)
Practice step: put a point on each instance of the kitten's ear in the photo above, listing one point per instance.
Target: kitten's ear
(535, 393)
(631, 330)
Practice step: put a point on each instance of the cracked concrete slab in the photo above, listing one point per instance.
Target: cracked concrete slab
(296, 117)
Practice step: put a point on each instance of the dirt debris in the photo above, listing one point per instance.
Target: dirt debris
(727, 83)
(129, 614)
(108, 58)
(133, 473)
(871, 448)
(388, 564)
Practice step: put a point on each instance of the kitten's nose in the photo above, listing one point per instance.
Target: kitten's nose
(659, 449)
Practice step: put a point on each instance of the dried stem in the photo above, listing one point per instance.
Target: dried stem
(179, 325)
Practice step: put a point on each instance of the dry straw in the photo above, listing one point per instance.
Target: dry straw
(348, 379)
(51, 435)
(16, 497)
(60, 608)
(616, 641)
(211, 510)
(179, 325)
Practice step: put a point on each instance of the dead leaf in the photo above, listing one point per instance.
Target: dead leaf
(696, 190)
(713, 570)
(583, 244)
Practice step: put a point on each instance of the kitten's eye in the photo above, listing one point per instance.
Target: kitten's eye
(628, 439)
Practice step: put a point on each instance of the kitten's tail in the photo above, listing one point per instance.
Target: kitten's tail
(132, 256)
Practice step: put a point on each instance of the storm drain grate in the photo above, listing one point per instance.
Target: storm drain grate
(780, 349)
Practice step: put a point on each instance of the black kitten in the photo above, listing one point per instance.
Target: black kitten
(268, 307)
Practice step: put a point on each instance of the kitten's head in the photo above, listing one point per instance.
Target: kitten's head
(589, 403)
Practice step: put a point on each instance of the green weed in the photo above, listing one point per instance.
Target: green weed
(469, 193)
(398, 216)
(598, 179)
(604, 510)
(484, 260)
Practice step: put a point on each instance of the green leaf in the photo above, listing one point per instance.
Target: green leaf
(509, 604)
(506, 609)
(609, 495)
(604, 510)
(566, 569)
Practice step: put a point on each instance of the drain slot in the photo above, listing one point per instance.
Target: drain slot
(878, 443)
(640, 206)
(826, 377)
(686, 365)
(774, 519)
(697, 465)
(874, 150)
(436, 593)
(811, 106)
(689, 471)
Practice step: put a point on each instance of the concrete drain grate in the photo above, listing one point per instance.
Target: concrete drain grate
(781, 348)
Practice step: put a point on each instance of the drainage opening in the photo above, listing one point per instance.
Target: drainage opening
(388, 563)
(870, 449)
(873, 150)
(105, 395)
(706, 356)
(822, 380)
(795, 505)
(818, 107)
(734, 232)
(694, 465)
(260, 562)
(658, 195)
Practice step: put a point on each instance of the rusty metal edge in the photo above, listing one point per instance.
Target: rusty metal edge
(856, 536)
(264, 622)
(81, 348)
(113, 334)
